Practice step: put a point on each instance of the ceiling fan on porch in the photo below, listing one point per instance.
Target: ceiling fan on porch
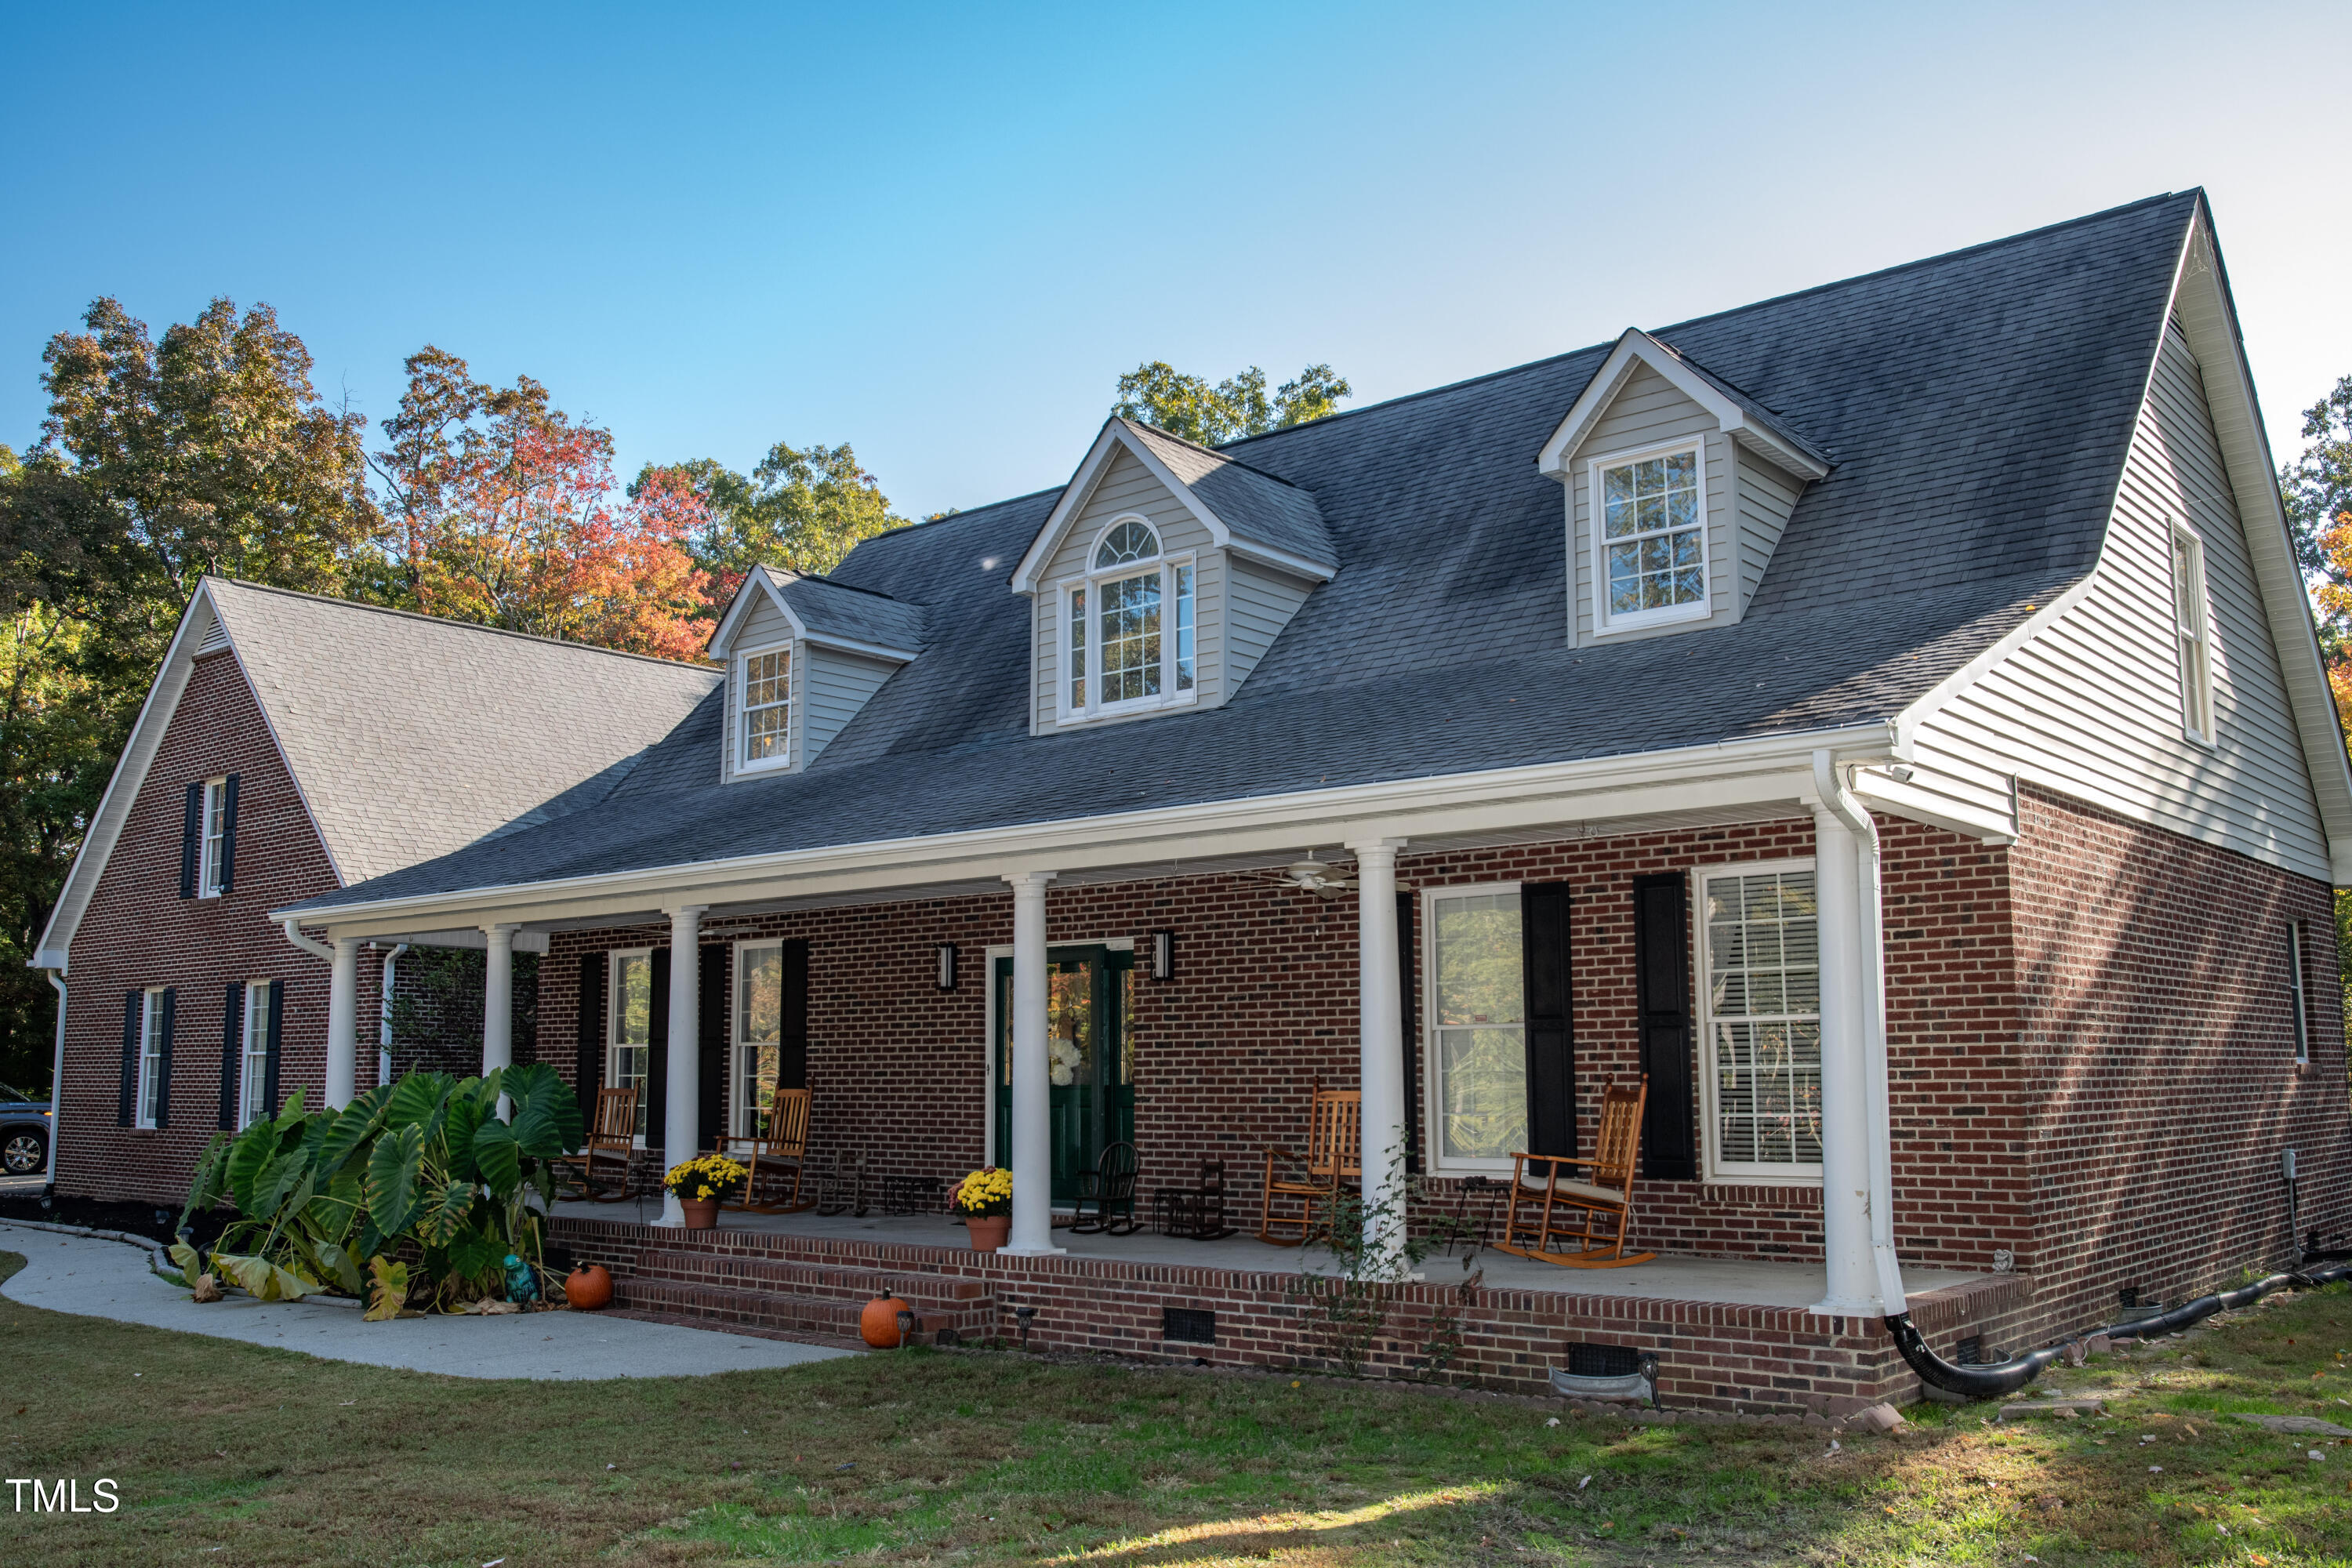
(1313, 875)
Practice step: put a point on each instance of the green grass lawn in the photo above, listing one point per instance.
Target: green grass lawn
(269, 1456)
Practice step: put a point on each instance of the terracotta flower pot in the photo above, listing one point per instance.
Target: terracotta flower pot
(988, 1231)
(701, 1213)
(588, 1288)
(878, 1324)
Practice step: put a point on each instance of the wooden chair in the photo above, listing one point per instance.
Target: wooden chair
(612, 1132)
(1110, 1188)
(784, 1144)
(1335, 1155)
(1549, 1208)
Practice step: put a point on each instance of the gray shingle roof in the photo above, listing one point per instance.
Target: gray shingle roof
(1770, 418)
(1257, 506)
(412, 737)
(832, 609)
(1980, 405)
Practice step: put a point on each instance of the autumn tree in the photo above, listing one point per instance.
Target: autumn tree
(1159, 394)
(504, 510)
(803, 509)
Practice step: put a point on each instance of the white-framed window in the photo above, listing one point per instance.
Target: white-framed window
(764, 687)
(2192, 628)
(1476, 1055)
(2294, 996)
(759, 1034)
(629, 1025)
(1129, 626)
(253, 1089)
(1760, 1019)
(150, 1056)
(1649, 536)
(211, 852)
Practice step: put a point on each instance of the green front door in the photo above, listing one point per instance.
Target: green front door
(1089, 1002)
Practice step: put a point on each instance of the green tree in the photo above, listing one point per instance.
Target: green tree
(803, 509)
(1159, 394)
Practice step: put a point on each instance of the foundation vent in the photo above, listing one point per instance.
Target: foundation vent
(1193, 1325)
(1603, 1360)
(1969, 1352)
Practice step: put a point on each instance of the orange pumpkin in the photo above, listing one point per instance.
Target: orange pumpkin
(588, 1288)
(878, 1324)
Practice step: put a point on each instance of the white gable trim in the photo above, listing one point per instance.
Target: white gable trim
(720, 646)
(201, 630)
(1636, 347)
(1115, 438)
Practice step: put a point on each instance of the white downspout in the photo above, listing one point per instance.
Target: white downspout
(310, 944)
(57, 1082)
(384, 1018)
(1833, 785)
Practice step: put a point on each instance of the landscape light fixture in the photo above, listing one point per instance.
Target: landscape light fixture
(1163, 955)
(947, 966)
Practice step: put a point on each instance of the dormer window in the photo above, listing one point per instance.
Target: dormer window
(765, 685)
(1130, 625)
(1652, 542)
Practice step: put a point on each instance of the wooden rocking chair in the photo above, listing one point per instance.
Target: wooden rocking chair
(1334, 1154)
(612, 1132)
(784, 1144)
(1549, 1208)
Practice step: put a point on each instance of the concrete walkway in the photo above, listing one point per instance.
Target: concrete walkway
(110, 1279)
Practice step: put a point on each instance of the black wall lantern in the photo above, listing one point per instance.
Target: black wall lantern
(1163, 955)
(947, 966)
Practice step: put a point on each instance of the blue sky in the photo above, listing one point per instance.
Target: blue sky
(941, 233)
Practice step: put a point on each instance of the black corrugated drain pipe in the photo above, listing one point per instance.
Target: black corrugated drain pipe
(2008, 1376)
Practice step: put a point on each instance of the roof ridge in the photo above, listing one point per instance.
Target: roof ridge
(834, 583)
(1214, 452)
(1733, 310)
(959, 515)
(461, 626)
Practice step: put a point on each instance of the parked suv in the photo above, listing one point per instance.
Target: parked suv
(24, 1133)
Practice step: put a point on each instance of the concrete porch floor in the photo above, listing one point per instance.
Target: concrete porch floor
(1734, 1281)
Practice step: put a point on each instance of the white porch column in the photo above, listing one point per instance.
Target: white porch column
(342, 1021)
(497, 1007)
(1845, 1088)
(681, 1135)
(1033, 1147)
(1380, 1028)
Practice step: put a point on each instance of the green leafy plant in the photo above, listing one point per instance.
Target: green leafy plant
(1348, 1311)
(424, 1166)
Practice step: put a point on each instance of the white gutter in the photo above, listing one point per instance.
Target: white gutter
(384, 1017)
(1303, 817)
(1832, 781)
(310, 944)
(57, 1081)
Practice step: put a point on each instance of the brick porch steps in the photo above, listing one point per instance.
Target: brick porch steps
(800, 1297)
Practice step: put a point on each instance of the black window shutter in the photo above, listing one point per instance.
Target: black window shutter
(588, 1068)
(657, 1065)
(711, 1031)
(1662, 994)
(232, 1053)
(1410, 1030)
(191, 837)
(163, 1064)
(791, 1047)
(1551, 1046)
(228, 835)
(126, 1104)
(276, 1036)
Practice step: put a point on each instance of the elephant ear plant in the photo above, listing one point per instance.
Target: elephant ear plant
(425, 1168)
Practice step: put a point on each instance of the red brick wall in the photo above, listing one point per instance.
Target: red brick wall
(2158, 1064)
(1264, 1003)
(138, 932)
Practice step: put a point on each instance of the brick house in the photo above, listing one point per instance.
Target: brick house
(1885, 718)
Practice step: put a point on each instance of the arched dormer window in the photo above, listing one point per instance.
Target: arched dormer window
(1129, 626)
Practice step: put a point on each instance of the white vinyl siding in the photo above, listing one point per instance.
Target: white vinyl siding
(1259, 602)
(2092, 705)
(628, 1027)
(254, 1090)
(837, 685)
(1767, 496)
(149, 1103)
